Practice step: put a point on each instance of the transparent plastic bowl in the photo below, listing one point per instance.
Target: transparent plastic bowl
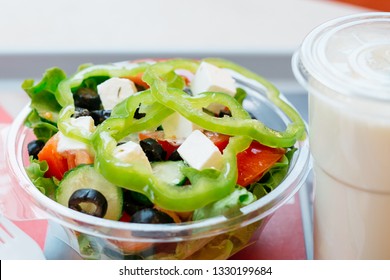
(219, 237)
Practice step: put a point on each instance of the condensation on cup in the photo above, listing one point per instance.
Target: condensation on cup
(345, 66)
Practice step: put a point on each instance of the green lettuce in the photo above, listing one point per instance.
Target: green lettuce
(273, 177)
(42, 94)
(227, 206)
(91, 83)
(36, 171)
(43, 129)
(44, 105)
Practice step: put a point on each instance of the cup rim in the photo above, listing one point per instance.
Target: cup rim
(309, 62)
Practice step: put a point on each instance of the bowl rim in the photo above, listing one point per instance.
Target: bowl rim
(296, 176)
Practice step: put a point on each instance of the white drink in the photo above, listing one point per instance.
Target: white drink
(349, 126)
(352, 176)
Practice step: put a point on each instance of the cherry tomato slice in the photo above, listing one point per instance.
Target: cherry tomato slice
(254, 161)
(137, 79)
(219, 140)
(58, 163)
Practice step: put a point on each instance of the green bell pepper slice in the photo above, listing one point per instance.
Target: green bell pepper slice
(64, 95)
(240, 123)
(165, 96)
(206, 186)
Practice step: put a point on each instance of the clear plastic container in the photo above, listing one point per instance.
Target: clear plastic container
(345, 66)
(218, 237)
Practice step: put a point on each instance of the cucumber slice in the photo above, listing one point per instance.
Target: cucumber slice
(169, 172)
(86, 177)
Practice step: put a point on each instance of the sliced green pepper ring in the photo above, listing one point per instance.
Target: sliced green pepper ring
(206, 186)
(240, 123)
(64, 93)
(165, 96)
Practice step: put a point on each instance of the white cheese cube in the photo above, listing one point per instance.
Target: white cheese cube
(131, 152)
(200, 152)
(178, 127)
(115, 90)
(68, 144)
(85, 122)
(209, 77)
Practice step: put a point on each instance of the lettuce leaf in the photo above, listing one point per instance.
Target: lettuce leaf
(36, 171)
(43, 129)
(45, 108)
(273, 177)
(42, 94)
(229, 205)
(215, 250)
(91, 83)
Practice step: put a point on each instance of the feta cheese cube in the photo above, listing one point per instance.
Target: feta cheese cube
(131, 152)
(200, 152)
(68, 144)
(115, 90)
(85, 122)
(209, 77)
(178, 127)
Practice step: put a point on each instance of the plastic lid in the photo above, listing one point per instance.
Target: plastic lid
(350, 55)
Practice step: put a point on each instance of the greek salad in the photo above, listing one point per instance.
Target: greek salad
(165, 141)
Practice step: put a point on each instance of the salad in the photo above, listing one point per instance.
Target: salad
(165, 141)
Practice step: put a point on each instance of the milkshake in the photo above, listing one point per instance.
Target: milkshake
(345, 66)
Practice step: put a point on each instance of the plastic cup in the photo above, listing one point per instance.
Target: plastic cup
(345, 66)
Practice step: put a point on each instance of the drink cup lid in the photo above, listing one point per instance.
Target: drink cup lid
(349, 55)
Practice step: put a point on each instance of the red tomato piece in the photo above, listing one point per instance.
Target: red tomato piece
(125, 217)
(58, 164)
(77, 157)
(219, 140)
(128, 246)
(137, 79)
(254, 161)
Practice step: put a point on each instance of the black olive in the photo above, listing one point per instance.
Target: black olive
(140, 198)
(80, 112)
(34, 147)
(139, 87)
(207, 111)
(87, 98)
(151, 216)
(175, 156)
(153, 150)
(187, 90)
(133, 257)
(88, 201)
(100, 116)
(224, 112)
(134, 201)
(221, 114)
(138, 115)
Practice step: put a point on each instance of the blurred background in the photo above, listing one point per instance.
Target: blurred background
(259, 34)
